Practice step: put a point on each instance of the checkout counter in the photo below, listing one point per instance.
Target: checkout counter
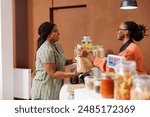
(80, 93)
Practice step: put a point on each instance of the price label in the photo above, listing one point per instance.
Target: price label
(113, 60)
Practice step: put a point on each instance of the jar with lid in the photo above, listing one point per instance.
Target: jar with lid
(107, 85)
(95, 51)
(87, 43)
(126, 71)
(141, 88)
(101, 52)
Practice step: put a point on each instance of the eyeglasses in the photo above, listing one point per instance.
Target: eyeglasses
(121, 29)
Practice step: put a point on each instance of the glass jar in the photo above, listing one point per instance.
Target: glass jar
(97, 86)
(89, 82)
(101, 52)
(95, 51)
(141, 88)
(107, 85)
(87, 43)
(123, 80)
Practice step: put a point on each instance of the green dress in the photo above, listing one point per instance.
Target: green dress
(43, 86)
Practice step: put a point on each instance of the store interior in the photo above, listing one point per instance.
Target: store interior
(98, 19)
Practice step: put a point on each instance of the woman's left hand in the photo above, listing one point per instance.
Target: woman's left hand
(83, 53)
(74, 60)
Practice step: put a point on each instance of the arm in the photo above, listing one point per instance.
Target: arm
(51, 70)
(47, 59)
(101, 64)
(70, 61)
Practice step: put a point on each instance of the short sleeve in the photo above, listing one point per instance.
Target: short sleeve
(47, 56)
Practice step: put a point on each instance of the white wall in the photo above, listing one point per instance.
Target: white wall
(6, 50)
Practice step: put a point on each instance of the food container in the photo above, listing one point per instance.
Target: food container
(89, 82)
(141, 88)
(97, 86)
(107, 85)
(87, 43)
(123, 80)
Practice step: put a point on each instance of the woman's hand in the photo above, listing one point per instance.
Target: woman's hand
(91, 57)
(83, 53)
(74, 60)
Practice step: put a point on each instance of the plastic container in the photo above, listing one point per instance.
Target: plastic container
(89, 82)
(141, 88)
(107, 85)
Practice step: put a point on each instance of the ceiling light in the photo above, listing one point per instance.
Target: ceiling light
(128, 4)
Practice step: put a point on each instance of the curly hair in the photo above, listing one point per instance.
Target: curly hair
(137, 32)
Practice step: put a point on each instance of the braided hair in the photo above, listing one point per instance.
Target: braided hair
(44, 30)
(137, 32)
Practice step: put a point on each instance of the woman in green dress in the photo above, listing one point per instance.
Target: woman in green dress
(50, 64)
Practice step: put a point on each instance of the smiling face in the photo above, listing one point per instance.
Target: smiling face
(54, 35)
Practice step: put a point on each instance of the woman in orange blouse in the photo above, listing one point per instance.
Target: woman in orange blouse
(128, 32)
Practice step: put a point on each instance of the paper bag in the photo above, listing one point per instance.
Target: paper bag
(83, 64)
